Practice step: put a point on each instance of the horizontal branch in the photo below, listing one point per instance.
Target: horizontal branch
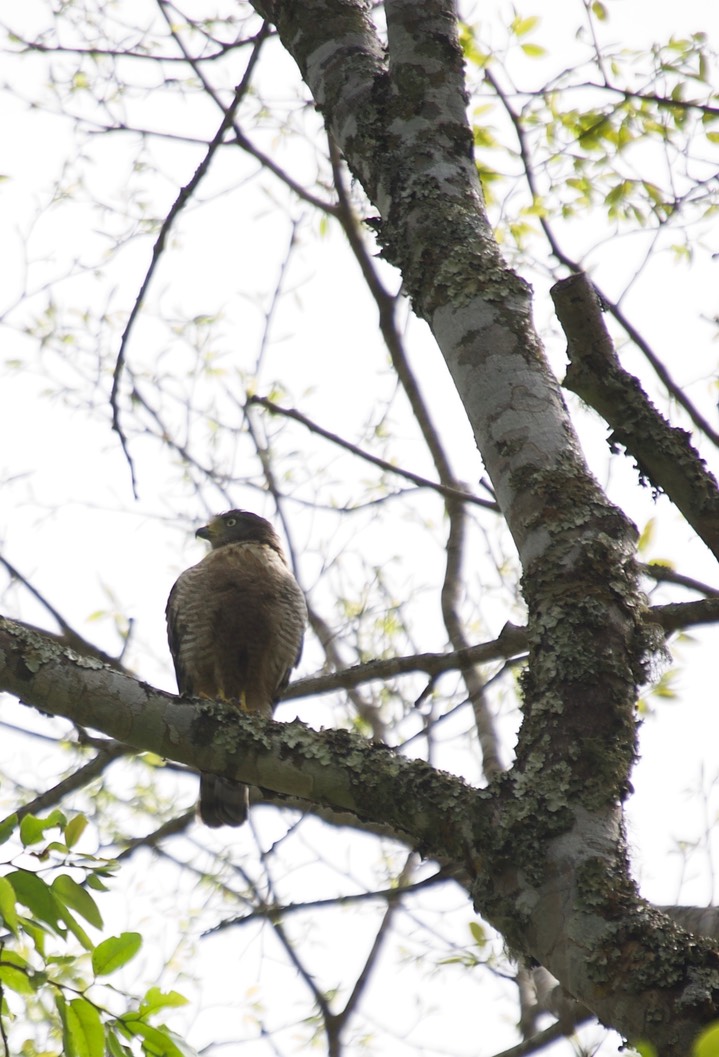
(273, 910)
(679, 615)
(666, 574)
(511, 643)
(77, 780)
(336, 768)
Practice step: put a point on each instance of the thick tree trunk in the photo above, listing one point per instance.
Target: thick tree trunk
(558, 883)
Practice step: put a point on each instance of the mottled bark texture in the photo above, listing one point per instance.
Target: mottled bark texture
(557, 881)
(434, 812)
(665, 456)
(543, 846)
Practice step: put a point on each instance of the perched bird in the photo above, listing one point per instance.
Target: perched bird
(235, 623)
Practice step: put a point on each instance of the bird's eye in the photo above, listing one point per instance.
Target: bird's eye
(230, 521)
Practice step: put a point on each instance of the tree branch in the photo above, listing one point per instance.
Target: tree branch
(663, 453)
(512, 642)
(67, 636)
(178, 205)
(388, 467)
(331, 767)
(566, 891)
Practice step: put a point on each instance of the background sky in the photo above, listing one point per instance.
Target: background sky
(70, 523)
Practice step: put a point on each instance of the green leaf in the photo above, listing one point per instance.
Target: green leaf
(707, 1045)
(75, 829)
(35, 931)
(115, 952)
(647, 535)
(599, 11)
(16, 980)
(534, 51)
(114, 1047)
(180, 1047)
(703, 73)
(84, 1031)
(7, 828)
(77, 897)
(18, 974)
(645, 1049)
(7, 905)
(35, 894)
(521, 26)
(478, 934)
(80, 81)
(156, 999)
(32, 830)
(74, 926)
(96, 882)
(158, 1042)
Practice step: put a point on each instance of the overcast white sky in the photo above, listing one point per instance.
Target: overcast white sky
(69, 510)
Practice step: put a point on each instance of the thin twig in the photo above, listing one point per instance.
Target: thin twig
(511, 643)
(171, 828)
(67, 636)
(79, 778)
(536, 1042)
(422, 482)
(379, 941)
(449, 487)
(178, 205)
(335, 901)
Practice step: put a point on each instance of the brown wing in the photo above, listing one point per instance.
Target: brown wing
(235, 626)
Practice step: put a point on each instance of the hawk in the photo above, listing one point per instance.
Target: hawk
(235, 624)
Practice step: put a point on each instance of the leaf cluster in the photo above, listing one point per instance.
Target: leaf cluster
(49, 959)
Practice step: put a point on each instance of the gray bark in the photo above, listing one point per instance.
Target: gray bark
(542, 848)
(557, 883)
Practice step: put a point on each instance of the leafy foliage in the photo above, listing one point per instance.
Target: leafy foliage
(43, 959)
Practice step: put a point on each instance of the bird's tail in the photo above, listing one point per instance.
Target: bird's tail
(222, 801)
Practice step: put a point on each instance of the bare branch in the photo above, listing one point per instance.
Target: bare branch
(341, 900)
(379, 941)
(178, 205)
(536, 1043)
(665, 574)
(171, 828)
(448, 491)
(68, 636)
(77, 780)
(512, 641)
(679, 615)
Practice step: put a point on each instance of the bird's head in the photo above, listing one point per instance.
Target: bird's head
(239, 526)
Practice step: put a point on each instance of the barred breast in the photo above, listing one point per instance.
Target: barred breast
(236, 622)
